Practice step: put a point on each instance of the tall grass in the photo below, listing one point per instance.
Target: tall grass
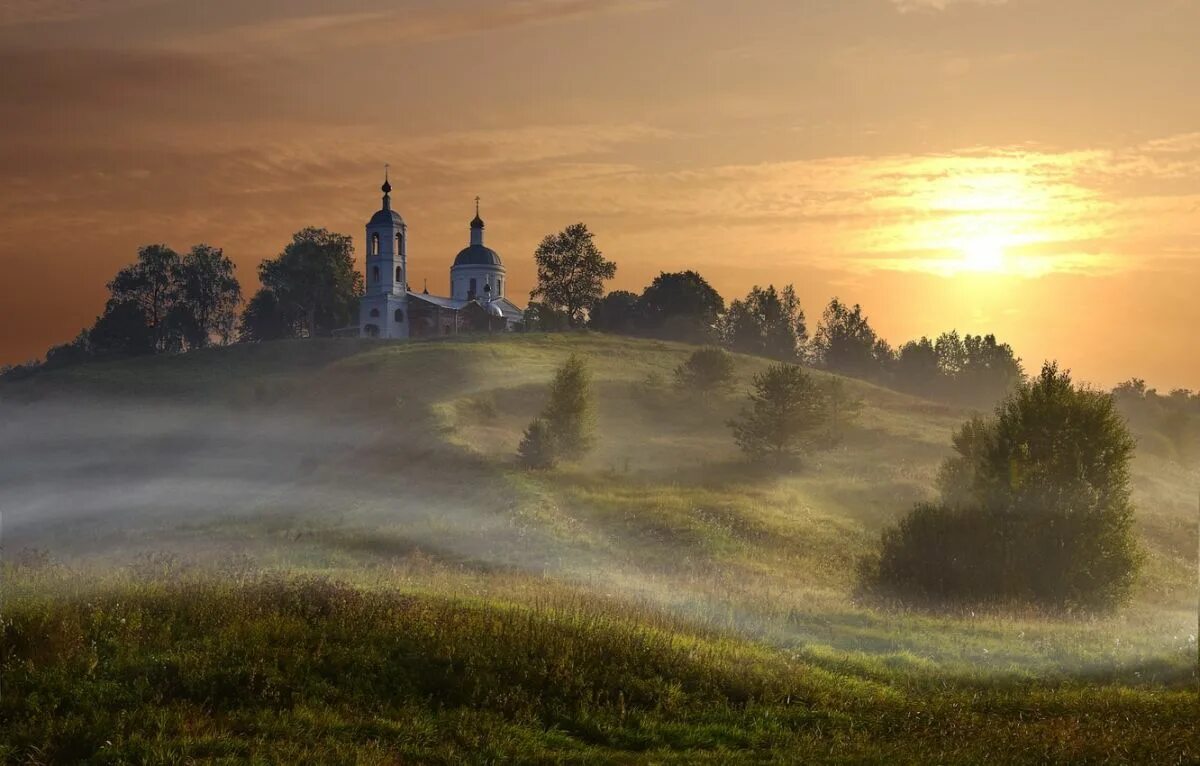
(287, 669)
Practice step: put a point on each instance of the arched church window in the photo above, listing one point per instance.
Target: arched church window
(374, 244)
(374, 313)
(471, 287)
(375, 274)
(499, 287)
(399, 275)
(399, 316)
(399, 244)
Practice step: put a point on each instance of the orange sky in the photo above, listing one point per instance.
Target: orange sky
(1029, 168)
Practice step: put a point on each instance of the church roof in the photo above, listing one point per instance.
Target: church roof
(386, 218)
(477, 255)
(507, 308)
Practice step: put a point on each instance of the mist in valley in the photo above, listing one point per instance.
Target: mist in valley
(114, 486)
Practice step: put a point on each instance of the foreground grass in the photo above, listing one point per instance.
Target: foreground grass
(307, 670)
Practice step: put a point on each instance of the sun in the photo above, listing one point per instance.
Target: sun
(983, 255)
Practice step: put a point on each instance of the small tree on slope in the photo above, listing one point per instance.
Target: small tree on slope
(569, 416)
(785, 411)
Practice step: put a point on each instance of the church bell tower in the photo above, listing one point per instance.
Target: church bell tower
(383, 311)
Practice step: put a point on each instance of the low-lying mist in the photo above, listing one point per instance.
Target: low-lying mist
(99, 484)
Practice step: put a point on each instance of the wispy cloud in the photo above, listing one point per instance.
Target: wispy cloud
(18, 12)
(907, 6)
(407, 25)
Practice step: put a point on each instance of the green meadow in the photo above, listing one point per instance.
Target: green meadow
(324, 551)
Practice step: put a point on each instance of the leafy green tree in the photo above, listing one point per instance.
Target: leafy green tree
(786, 410)
(569, 413)
(537, 450)
(571, 272)
(1035, 508)
(681, 306)
(152, 283)
(706, 371)
(768, 322)
(846, 343)
(618, 312)
(314, 284)
(208, 294)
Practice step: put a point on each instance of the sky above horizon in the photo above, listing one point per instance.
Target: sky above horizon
(1028, 168)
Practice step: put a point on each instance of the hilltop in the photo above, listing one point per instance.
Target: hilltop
(389, 467)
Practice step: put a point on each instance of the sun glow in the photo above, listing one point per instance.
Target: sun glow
(983, 255)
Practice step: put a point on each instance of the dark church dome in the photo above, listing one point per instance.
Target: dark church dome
(386, 218)
(477, 255)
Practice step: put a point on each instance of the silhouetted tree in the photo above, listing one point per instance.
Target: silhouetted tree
(681, 306)
(571, 272)
(264, 319)
(1166, 425)
(1035, 507)
(786, 410)
(618, 312)
(67, 354)
(768, 322)
(846, 343)
(568, 412)
(207, 294)
(152, 283)
(706, 371)
(123, 329)
(917, 370)
(544, 318)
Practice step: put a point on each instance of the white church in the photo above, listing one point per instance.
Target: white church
(477, 302)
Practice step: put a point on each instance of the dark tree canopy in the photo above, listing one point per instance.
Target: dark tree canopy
(123, 329)
(1035, 508)
(973, 369)
(313, 284)
(681, 306)
(265, 320)
(846, 343)
(208, 296)
(152, 284)
(618, 312)
(571, 272)
(767, 322)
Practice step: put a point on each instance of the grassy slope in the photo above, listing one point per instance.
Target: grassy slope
(662, 523)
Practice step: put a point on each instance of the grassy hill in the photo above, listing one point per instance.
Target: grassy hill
(659, 602)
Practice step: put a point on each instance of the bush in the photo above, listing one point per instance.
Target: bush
(706, 371)
(1035, 509)
(537, 447)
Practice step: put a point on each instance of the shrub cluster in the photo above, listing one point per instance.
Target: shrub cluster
(1035, 509)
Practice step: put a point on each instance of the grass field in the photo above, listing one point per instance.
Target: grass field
(324, 551)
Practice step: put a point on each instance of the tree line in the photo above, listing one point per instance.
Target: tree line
(769, 321)
(166, 303)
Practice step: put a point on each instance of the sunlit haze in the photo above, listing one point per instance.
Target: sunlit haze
(1028, 168)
